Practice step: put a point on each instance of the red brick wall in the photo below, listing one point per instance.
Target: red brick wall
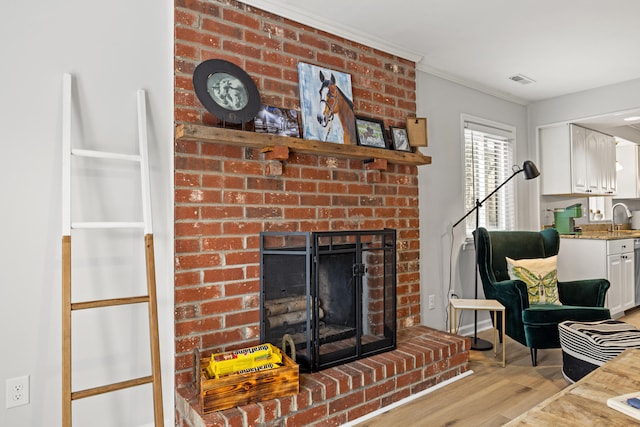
(224, 195)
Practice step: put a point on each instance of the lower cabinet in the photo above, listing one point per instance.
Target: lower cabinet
(621, 271)
(580, 259)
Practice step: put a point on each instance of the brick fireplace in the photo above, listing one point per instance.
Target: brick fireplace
(226, 195)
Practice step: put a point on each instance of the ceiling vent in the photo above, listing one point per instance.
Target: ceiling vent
(523, 80)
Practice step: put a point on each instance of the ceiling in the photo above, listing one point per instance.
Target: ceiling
(564, 46)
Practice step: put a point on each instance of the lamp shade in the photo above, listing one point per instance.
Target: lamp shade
(530, 170)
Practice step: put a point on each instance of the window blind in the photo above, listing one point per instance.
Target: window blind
(488, 163)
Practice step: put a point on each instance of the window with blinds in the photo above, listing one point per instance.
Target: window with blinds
(488, 159)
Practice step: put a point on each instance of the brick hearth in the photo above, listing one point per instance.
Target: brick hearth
(334, 396)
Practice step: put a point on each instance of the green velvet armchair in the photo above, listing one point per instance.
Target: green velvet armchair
(534, 325)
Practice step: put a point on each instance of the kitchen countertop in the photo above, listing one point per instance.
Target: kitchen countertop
(604, 235)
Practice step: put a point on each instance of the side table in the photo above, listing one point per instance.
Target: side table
(459, 304)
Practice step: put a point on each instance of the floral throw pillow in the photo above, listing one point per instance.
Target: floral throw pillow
(540, 275)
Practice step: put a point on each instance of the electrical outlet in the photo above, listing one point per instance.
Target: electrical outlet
(432, 302)
(17, 390)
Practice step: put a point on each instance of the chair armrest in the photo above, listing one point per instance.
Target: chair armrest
(512, 294)
(586, 293)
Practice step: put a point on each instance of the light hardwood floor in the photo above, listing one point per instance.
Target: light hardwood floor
(492, 395)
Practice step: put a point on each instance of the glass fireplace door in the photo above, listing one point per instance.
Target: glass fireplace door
(332, 293)
(336, 294)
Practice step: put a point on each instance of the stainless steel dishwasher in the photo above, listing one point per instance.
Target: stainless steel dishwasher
(636, 263)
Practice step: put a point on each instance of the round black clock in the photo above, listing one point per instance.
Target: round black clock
(226, 91)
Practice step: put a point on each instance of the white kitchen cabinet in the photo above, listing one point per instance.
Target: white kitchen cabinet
(628, 282)
(621, 270)
(581, 259)
(608, 177)
(587, 176)
(628, 155)
(615, 276)
(577, 160)
(629, 279)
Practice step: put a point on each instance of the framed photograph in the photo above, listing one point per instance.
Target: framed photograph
(277, 121)
(370, 132)
(326, 104)
(226, 91)
(399, 138)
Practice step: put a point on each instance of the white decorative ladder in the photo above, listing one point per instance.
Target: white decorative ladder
(67, 305)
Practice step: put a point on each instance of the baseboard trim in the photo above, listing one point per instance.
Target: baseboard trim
(468, 329)
(407, 399)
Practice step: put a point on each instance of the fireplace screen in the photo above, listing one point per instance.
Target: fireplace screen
(333, 294)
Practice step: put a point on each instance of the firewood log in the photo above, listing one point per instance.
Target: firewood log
(285, 305)
(290, 318)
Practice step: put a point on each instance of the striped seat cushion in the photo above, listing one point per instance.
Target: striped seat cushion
(587, 345)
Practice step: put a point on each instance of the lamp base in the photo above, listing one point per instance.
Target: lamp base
(480, 344)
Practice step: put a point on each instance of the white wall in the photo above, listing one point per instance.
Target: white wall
(113, 48)
(441, 185)
(442, 191)
(590, 103)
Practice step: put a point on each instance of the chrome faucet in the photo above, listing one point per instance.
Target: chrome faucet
(613, 211)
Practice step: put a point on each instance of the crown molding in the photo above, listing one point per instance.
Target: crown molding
(303, 17)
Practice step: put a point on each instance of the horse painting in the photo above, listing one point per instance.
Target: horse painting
(335, 103)
(326, 105)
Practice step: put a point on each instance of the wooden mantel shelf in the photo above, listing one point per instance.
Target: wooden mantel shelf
(261, 140)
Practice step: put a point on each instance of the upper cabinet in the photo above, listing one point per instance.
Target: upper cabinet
(628, 156)
(577, 160)
(609, 177)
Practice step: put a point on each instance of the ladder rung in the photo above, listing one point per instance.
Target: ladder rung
(109, 302)
(109, 224)
(105, 155)
(111, 387)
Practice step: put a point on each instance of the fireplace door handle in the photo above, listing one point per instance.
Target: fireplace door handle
(286, 338)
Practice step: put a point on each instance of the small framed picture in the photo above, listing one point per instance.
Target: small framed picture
(370, 132)
(277, 121)
(399, 138)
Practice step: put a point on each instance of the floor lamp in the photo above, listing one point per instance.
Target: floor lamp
(530, 171)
